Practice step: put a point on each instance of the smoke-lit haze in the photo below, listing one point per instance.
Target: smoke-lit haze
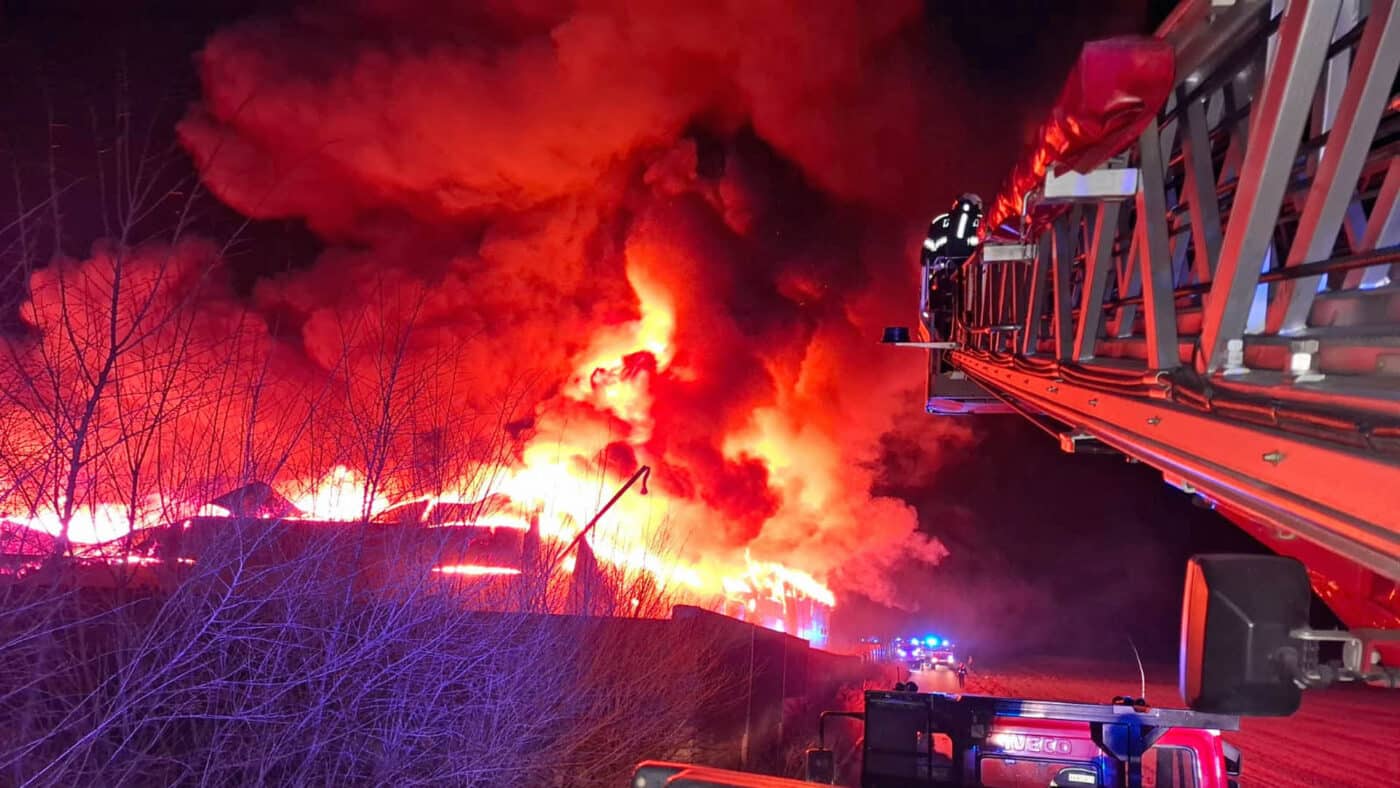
(515, 176)
(639, 233)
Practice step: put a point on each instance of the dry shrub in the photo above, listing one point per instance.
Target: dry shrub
(311, 670)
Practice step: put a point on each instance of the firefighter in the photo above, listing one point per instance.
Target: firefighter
(952, 238)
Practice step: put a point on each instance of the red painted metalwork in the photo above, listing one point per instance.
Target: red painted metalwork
(1116, 88)
(1061, 742)
(1359, 597)
(1234, 323)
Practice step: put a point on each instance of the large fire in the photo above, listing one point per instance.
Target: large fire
(559, 243)
(613, 378)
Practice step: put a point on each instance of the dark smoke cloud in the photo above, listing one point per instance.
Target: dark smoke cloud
(355, 115)
(492, 174)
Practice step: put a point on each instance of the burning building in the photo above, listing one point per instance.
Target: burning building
(536, 279)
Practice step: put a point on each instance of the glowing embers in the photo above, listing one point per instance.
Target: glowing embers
(483, 538)
(483, 521)
(546, 492)
(782, 581)
(97, 524)
(476, 570)
(666, 573)
(780, 598)
(492, 512)
(343, 494)
(565, 497)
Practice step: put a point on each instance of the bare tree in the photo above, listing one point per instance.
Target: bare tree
(258, 666)
(241, 650)
(113, 359)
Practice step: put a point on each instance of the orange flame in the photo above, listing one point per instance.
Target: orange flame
(475, 570)
(613, 376)
(604, 378)
(342, 494)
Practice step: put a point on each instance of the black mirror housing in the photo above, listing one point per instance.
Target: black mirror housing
(895, 335)
(1237, 614)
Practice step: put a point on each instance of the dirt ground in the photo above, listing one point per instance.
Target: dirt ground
(1345, 736)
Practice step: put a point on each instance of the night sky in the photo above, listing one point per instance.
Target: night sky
(1049, 552)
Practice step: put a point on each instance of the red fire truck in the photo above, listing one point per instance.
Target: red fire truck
(933, 739)
(1246, 649)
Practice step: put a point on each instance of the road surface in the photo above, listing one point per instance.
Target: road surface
(936, 680)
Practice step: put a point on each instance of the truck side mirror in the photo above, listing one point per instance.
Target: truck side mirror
(895, 335)
(1237, 616)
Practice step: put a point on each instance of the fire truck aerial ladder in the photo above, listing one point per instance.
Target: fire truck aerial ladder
(1199, 267)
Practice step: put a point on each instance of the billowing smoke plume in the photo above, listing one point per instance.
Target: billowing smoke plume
(516, 181)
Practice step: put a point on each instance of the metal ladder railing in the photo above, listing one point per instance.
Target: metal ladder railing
(1236, 319)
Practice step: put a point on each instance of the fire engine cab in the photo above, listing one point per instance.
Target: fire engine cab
(977, 740)
(1245, 651)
